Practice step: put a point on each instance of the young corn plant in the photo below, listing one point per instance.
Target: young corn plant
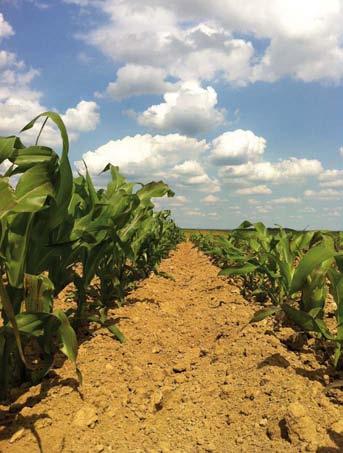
(37, 204)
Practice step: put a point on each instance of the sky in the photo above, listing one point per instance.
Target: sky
(237, 105)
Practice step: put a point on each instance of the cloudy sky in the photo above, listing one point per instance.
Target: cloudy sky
(238, 105)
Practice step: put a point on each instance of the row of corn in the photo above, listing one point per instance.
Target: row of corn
(290, 273)
(58, 230)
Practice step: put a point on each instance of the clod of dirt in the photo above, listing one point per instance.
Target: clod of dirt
(337, 427)
(157, 401)
(301, 428)
(86, 416)
(17, 435)
(180, 367)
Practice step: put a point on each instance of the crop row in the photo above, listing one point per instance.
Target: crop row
(57, 230)
(290, 273)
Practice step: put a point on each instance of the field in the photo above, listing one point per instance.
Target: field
(121, 332)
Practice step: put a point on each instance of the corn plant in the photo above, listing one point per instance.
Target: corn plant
(40, 196)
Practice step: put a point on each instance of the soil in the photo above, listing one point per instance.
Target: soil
(187, 379)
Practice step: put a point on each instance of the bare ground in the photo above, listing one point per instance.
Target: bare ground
(187, 379)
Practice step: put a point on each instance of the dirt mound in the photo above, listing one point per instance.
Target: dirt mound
(187, 379)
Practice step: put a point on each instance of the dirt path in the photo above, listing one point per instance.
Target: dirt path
(186, 380)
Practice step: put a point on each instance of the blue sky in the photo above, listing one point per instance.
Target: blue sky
(238, 108)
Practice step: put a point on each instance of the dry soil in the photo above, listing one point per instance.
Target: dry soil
(187, 379)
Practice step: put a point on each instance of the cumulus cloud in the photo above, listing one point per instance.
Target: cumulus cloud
(82, 118)
(188, 168)
(323, 194)
(192, 173)
(331, 175)
(179, 200)
(331, 179)
(210, 199)
(282, 171)
(237, 147)
(300, 40)
(285, 200)
(195, 212)
(5, 28)
(255, 190)
(148, 33)
(143, 155)
(190, 110)
(333, 184)
(172, 202)
(136, 80)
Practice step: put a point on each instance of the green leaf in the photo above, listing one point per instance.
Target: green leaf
(313, 258)
(33, 188)
(264, 313)
(68, 337)
(7, 197)
(306, 321)
(65, 177)
(116, 332)
(7, 145)
(246, 269)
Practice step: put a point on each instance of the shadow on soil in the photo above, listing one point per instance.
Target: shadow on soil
(11, 421)
(337, 439)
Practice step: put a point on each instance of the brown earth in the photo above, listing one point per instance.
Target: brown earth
(187, 379)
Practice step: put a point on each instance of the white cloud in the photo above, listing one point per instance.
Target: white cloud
(19, 104)
(210, 199)
(236, 147)
(136, 80)
(179, 200)
(341, 150)
(330, 175)
(148, 33)
(282, 171)
(331, 179)
(285, 200)
(333, 184)
(190, 109)
(263, 209)
(82, 118)
(324, 194)
(143, 155)
(5, 28)
(195, 212)
(290, 38)
(192, 173)
(173, 202)
(256, 190)
(189, 168)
